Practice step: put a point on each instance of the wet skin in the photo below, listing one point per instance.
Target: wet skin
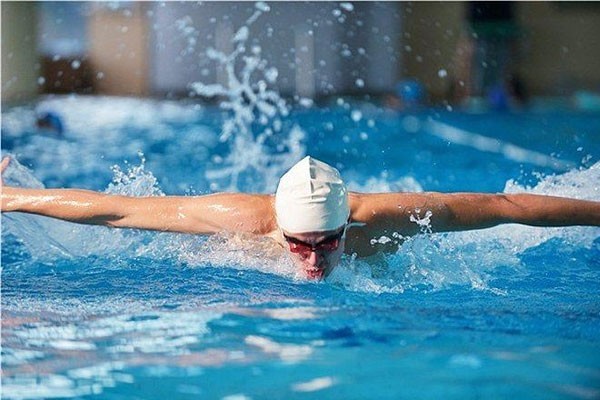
(316, 263)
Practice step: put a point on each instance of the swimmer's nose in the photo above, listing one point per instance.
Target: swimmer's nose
(314, 259)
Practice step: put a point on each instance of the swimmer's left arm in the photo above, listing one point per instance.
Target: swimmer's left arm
(465, 211)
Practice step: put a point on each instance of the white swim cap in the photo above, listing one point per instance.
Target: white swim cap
(311, 197)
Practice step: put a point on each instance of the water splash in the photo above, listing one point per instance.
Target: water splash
(423, 262)
(433, 262)
(136, 181)
(255, 123)
(47, 239)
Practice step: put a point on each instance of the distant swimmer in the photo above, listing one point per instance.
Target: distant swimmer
(311, 215)
(51, 123)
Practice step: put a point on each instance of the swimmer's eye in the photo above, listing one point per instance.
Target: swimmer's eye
(330, 243)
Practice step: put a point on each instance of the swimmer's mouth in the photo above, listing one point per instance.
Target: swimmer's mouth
(315, 273)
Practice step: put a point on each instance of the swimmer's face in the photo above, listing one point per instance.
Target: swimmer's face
(316, 253)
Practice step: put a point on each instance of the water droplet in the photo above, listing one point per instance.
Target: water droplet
(306, 102)
(262, 6)
(360, 83)
(356, 115)
(364, 135)
(271, 75)
(442, 73)
(41, 80)
(75, 64)
(347, 6)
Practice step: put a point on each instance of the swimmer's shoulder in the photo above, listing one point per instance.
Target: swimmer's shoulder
(366, 206)
(263, 215)
(379, 221)
(249, 213)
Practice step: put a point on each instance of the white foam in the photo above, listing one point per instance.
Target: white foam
(314, 385)
(292, 313)
(71, 345)
(290, 353)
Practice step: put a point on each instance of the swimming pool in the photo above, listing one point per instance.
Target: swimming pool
(89, 312)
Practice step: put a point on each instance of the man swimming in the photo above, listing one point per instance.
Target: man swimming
(312, 214)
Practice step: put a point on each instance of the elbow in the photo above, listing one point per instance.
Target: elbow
(506, 209)
(517, 208)
(110, 221)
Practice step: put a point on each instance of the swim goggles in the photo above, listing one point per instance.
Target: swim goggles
(330, 243)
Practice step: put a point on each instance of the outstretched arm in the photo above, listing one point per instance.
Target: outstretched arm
(464, 211)
(200, 214)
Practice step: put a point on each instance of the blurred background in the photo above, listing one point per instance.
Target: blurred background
(460, 54)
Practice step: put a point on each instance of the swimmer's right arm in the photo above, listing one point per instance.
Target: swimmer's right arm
(208, 214)
(222, 212)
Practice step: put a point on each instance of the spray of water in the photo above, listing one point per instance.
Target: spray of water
(48, 239)
(431, 261)
(256, 113)
(424, 262)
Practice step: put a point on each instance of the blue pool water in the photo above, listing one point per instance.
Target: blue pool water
(508, 312)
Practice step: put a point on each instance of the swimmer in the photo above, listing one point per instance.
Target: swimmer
(311, 214)
(50, 123)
